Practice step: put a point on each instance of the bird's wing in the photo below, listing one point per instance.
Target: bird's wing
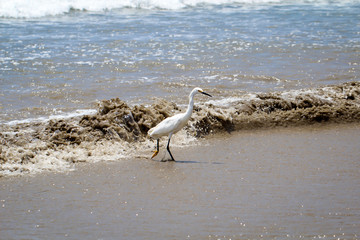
(171, 124)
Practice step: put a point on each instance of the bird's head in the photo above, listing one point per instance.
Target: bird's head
(201, 91)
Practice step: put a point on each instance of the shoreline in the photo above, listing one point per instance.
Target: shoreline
(279, 183)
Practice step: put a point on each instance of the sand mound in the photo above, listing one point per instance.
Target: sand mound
(28, 146)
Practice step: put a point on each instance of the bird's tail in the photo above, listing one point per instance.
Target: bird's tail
(150, 131)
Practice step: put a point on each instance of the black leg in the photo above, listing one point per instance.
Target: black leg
(168, 148)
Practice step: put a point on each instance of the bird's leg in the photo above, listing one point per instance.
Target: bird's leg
(168, 148)
(157, 149)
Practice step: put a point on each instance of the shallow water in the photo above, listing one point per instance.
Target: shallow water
(296, 183)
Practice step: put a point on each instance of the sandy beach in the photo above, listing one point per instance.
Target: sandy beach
(283, 183)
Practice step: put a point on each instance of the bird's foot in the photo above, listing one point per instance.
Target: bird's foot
(167, 160)
(155, 153)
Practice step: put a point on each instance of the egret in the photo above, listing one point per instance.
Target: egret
(172, 125)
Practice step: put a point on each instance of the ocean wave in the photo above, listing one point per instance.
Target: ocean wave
(118, 131)
(76, 113)
(42, 8)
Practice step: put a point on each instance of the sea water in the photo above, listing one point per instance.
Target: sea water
(62, 57)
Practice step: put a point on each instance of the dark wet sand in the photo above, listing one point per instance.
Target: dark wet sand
(295, 183)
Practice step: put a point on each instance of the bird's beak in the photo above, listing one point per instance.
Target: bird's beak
(206, 94)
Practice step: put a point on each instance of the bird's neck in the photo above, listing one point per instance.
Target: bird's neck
(190, 106)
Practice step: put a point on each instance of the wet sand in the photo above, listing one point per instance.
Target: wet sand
(288, 183)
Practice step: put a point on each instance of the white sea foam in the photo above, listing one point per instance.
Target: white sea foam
(326, 94)
(63, 159)
(225, 102)
(77, 113)
(41, 8)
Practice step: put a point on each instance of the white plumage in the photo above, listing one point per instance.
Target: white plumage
(173, 124)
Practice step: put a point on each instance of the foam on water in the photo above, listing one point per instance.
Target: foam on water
(41, 8)
(76, 113)
(116, 130)
(227, 101)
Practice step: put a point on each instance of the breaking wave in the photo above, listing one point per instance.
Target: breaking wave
(117, 130)
(42, 8)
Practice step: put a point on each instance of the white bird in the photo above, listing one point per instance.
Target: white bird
(173, 124)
